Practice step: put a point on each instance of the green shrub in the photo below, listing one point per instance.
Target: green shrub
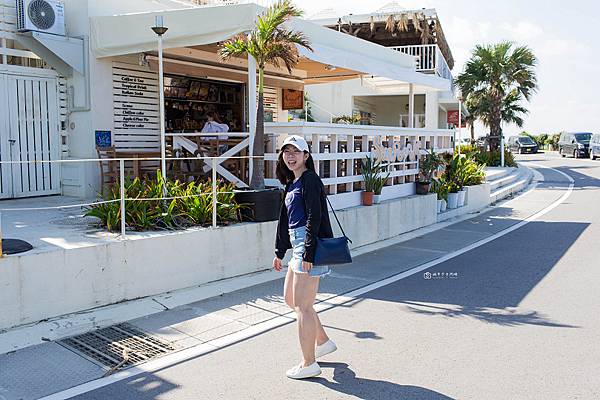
(190, 204)
(468, 149)
(462, 170)
(492, 158)
(439, 187)
(428, 164)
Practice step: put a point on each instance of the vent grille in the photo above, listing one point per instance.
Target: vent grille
(118, 346)
(41, 14)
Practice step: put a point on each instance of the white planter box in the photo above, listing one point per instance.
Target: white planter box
(49, 284)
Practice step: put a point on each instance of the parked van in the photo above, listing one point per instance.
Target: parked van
(595, 146)
(522, 144)
(574, 144)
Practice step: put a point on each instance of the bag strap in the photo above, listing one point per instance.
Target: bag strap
(336, 218)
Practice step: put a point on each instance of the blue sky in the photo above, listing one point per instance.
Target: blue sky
(563, 35)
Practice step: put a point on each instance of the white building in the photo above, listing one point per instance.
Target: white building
(62, 92)
(383, 101)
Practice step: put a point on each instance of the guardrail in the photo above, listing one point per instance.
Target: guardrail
(213, 161)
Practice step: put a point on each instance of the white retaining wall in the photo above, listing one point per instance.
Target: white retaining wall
(39, 286)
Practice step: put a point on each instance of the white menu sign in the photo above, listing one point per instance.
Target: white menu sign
(136, 107)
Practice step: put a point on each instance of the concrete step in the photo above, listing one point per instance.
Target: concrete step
(494, 173)
(521, 178)
(504, 180)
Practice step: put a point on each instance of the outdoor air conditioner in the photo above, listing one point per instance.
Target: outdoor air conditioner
(46, 16)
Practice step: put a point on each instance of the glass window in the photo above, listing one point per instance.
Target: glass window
(583, 137)
(526, 140)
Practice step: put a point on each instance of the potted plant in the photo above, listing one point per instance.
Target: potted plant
(452, 177)
(270, 42)
(453, 190)
(379, 183)
(370, 172)
(428, 164)
(439, 187)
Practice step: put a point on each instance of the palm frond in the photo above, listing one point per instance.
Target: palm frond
(403, 23)
(390, 24)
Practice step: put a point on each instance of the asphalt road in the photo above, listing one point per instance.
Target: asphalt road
(519, 320)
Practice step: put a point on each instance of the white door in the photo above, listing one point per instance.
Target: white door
(30, 133)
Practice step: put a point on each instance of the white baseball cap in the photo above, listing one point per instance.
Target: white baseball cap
(296, 141)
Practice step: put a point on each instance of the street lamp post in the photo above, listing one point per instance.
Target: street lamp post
(501, 147)
(459, 123)
(160, 30)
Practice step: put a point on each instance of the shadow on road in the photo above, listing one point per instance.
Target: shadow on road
(345, 381)
(488, 283)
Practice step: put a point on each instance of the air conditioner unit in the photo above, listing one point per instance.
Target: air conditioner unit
(46, 16)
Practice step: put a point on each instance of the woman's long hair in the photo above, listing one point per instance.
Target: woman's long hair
(284, 174)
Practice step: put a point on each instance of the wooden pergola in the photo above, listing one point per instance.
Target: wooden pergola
(395, 28)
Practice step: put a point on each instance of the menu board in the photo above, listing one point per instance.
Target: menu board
(136, 107)
(292, 99)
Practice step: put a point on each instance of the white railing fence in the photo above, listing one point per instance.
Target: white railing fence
(338, 150)
(428, 58)
(121, 168)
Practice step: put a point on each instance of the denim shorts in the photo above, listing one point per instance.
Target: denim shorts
(297, 237)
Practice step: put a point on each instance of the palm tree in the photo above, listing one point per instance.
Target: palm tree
(512, 111)
(268, 43)
(496, 78)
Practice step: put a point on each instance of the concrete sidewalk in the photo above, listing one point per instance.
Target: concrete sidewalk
(50, 367)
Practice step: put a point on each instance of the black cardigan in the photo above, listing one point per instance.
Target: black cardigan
(318, 224)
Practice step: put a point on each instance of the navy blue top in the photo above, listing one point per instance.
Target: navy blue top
(295, 205)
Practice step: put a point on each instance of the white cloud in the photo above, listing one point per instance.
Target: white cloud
(522, 30)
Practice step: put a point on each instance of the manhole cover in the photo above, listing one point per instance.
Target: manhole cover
(118, 346)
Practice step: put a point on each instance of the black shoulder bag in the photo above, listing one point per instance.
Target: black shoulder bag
(332, 251)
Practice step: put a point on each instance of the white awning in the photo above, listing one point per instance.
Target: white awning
(130, 33)
(345, 51)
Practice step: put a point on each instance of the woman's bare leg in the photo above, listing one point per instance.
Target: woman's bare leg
(305, 291)
(288, 295)
(288, 288)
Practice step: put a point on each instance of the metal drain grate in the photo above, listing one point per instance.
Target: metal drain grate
(108, 346)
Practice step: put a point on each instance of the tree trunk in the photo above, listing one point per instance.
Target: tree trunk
(495, 123)
(257, 181)
(472, 126)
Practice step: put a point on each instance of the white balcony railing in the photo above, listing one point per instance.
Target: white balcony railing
(429, 59)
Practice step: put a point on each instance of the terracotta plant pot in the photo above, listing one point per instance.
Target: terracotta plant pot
(423, 187)
(367, 198)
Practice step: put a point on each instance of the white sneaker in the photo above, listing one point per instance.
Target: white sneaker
(326, 348)
(293, 370)
(300, 372)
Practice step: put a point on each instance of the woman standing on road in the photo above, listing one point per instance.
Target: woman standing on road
(302, 219)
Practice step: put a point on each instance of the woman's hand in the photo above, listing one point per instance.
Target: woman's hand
(277, 264)
(306, 266)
